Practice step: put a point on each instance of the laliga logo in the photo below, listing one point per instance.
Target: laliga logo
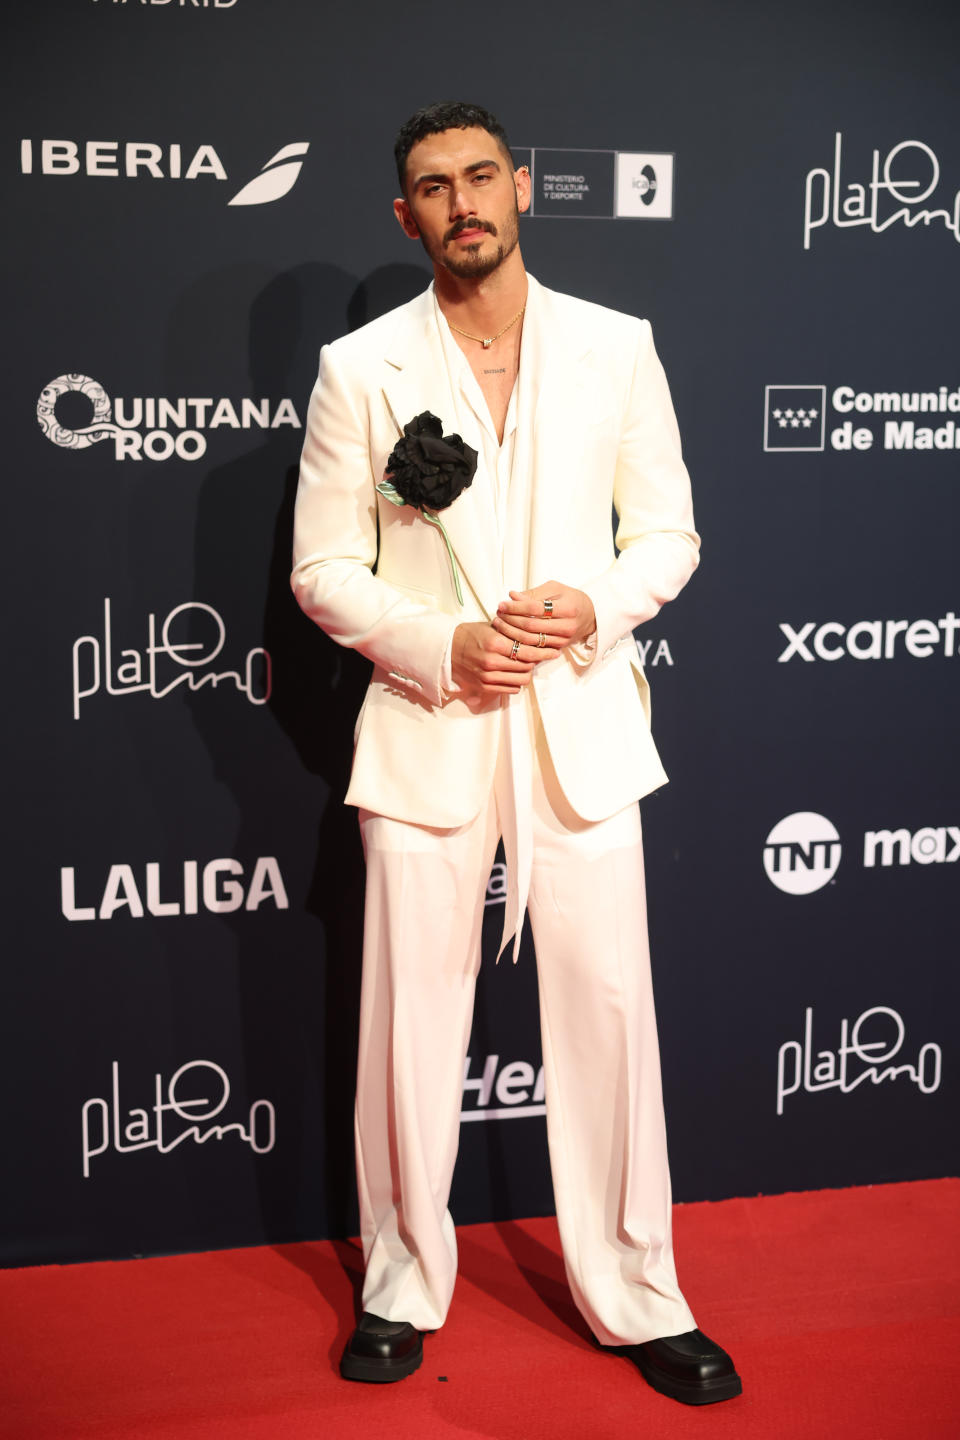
(802, 853)
(854, 208)
(153, 415)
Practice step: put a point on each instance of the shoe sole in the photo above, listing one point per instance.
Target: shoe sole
(700, 1392)
(379, 1372)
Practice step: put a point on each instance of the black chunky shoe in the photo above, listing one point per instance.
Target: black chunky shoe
(689, 1368)
(380, 1351)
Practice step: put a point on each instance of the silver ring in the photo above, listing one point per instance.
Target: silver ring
(515, 650)
(548, 607)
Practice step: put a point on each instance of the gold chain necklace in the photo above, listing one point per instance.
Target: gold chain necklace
(479, 338)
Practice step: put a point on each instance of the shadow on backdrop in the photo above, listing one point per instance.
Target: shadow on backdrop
(298, 997)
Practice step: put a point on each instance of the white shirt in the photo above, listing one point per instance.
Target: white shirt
(494, 459)
(508, 495)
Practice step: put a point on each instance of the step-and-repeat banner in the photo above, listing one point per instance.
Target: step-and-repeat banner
(197, 196)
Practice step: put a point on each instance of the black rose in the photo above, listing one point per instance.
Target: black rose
(428, 469)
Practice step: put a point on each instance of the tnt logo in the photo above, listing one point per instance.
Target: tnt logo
(793, 417)
(802, 853)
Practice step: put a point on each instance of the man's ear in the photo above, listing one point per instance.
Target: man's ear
(521, 178)
(405, 216)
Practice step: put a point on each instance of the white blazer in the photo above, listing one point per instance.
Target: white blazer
(377, 578)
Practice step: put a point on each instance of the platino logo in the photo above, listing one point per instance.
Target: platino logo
(516, 1088)
(802, 853)
(139, 673)
(220, 885)
(131, 1130)
(136, 159)
(140, 426)
(825, 1070)
(870, 639)
(911, 173)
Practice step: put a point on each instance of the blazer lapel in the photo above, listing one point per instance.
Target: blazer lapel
(415, 380)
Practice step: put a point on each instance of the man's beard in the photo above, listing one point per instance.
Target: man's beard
(474, 266)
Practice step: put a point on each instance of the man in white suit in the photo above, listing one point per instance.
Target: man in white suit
(506, 700)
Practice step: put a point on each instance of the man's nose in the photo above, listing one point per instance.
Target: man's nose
(461, 203)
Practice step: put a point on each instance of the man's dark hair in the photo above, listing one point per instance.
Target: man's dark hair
(445, 115)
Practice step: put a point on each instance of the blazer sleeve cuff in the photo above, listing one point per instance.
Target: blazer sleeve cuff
(612, 625)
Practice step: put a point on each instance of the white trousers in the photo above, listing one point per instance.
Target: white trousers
(605, 1127)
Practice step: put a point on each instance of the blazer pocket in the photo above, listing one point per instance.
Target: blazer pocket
(418, 591)
(605, 420)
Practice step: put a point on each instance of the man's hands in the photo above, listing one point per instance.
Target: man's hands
(483, 663)
(522, 616)
(482, 659)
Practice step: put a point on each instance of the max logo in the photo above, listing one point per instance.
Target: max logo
(276, 179)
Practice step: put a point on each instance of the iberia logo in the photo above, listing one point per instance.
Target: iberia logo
(276, 179)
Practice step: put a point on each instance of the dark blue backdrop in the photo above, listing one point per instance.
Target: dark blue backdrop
(184, 885)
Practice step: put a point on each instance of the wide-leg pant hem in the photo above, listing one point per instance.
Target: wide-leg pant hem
(606, 1135)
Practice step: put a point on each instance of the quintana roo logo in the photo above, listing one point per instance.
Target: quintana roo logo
(276, 179)
(101, 424)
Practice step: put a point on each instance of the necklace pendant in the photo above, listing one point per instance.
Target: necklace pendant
(488, 343)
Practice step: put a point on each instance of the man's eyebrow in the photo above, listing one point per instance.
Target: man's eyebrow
(468, 170)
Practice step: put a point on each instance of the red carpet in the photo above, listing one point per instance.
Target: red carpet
(840, 1308)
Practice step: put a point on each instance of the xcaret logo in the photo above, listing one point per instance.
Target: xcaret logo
(870, 639)
(142, 159)
(74, 412)
(802, 853)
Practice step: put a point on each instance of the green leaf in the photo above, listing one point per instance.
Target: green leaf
(389, 492)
